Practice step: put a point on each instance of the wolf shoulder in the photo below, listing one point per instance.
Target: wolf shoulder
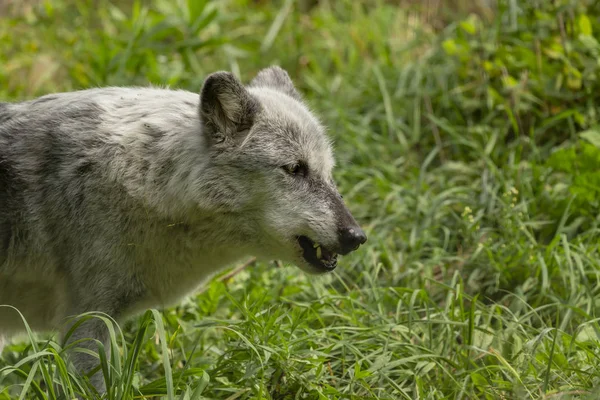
(64, 153)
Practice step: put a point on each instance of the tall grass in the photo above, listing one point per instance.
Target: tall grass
(459, 149)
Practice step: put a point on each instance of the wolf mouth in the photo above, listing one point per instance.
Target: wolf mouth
(317, 255)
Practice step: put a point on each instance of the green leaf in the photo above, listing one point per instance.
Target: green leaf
(592, 136)
(165, 352)
(204, 380)
(450, 46)
(585, 26)
(479, 381)
(468, 26)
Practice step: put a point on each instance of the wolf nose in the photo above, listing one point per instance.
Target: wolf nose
(351, 238)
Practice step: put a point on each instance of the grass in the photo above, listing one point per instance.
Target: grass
(459, 150)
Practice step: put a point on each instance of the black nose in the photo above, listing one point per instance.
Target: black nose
(351, 238)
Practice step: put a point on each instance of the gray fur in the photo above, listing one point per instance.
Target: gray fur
(276, 78)
(121, 199)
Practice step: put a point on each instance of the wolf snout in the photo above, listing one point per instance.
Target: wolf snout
(351, 238)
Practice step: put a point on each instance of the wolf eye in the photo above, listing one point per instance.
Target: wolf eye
(297, 168)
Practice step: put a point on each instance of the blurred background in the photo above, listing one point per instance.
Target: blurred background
(468, 146)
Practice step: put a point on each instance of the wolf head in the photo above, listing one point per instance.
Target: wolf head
(277, 162)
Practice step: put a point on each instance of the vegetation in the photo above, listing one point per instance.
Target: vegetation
(469, 150)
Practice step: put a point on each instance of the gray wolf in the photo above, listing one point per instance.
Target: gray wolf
(121, 199)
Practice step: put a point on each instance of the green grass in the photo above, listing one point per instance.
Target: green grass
(458, 148)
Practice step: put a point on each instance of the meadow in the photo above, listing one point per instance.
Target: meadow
(468, 146)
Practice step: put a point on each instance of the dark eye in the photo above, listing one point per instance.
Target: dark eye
(296, 168)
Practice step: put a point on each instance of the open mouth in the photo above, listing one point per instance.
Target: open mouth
(317, 255)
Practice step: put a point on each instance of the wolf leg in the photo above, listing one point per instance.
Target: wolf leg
(90, 334)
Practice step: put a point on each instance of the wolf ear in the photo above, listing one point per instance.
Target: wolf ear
(226, 106)
(276, 78)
